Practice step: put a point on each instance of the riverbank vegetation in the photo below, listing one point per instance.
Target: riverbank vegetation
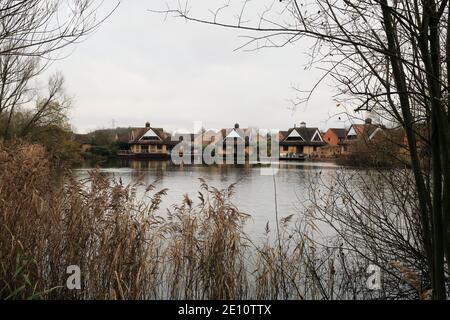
(127, 248)
(389, 58)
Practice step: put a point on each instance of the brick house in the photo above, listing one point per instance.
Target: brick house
(300, 142)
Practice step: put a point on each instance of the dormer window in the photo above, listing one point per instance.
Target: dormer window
(150, 135)
(351, 133)
(150, 138)
(233, 134)
(294, 136)
(317, 137)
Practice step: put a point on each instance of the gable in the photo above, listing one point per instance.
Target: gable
(340, 133)
(317, 137)
(150, 135)
(233, 134)
(375, 132)
(209, 135)
(351, 132)
(295, 135)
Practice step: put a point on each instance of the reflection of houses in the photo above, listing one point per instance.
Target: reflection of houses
(150, 142)
(147, 164)
(334, 138)
(300, 142)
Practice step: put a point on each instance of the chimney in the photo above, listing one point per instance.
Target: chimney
(147, 124)
(302, 124)
(236, 125)
(368, 121)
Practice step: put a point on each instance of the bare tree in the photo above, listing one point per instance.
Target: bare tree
(49, 110)
(389, 57)
(40, 27)
(15, 73)
(31, 34)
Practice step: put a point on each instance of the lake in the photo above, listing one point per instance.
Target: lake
(254, 192)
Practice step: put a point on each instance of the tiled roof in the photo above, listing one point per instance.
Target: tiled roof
(365, 129)
(122, 137)
(234, 133)
(305, 133)
(138, 133)
(341, 133)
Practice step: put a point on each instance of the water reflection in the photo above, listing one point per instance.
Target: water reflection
(254, 192)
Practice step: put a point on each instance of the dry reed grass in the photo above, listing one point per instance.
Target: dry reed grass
(124, 248)
(127, 249)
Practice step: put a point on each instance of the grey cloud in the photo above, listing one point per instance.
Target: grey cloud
(138, 67)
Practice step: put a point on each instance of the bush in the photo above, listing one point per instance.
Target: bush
(127, 249)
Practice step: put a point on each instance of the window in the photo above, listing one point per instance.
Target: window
(150, 135)
(150, 138)
(316, 137)
(295, 136)
(144, 149)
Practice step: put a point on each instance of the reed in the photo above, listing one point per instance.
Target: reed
(128, 248)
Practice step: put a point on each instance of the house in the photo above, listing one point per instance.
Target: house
(207, 137)
(151, 142)
(366, 131)
(235, 141)
(300, 142)
(372, 143)
(84, 140)
(334, 138)
(229, 142)
(122, 136)
(422, 135)
(359, 135)
(184, 144)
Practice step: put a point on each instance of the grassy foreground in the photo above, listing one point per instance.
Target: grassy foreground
(127, 249)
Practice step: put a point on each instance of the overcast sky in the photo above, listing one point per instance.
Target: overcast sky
(138, 67)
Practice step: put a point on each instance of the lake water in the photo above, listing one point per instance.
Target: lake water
(254, 192)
